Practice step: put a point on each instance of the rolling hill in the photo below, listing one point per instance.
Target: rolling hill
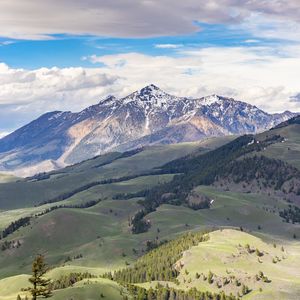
(81, 218)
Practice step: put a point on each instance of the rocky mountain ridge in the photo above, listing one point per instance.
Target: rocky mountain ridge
(146, 117)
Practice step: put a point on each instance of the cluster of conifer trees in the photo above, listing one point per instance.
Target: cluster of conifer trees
(13, 226)
(195, 170)
(291, 214)
(68, 280)
(159, 263)
(10, 245)
(81, 205)
(272, 172)
(167, 293)
(87, 186)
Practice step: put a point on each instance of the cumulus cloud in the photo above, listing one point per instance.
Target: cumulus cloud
(25, 94)
(20, 86)
(35, 19)
(254, 74)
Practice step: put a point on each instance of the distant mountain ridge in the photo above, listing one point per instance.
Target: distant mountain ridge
(146, 117)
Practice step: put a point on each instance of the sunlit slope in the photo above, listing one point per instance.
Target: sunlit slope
(102, 233)
(95, 288)
(225, 254)
(289, 149)
(28, 193)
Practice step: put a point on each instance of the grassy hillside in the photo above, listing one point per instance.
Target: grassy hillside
(99, 239)
(29, 192)
(100, 191)
(96, 288)
(225, 254)
(235, 258)
(93, 289)
(289, 149)
(226, 261)
(102, 235)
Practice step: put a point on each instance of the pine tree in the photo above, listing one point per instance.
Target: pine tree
(40, 284)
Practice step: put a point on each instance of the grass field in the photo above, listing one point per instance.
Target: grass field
(93, 289)
(101, 233)
(289, 150)
(27, 193)
(225, 255)
(100, 191)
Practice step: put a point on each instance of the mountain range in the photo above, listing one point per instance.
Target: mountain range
(146, 117)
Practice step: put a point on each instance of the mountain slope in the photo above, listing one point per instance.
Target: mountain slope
(146, 117)
(98, 238)
(240, 165)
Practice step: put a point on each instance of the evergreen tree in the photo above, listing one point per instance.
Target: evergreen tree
(40, 284)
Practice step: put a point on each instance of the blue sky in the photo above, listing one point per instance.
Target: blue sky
(69, 50)
(67, 55)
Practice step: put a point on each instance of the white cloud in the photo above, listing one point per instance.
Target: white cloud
(168, 46)
(25, 94)
(254, 74)
(6, 43)
(266, 77)
(23, 86)
(251, 41)
(35, 19)
(268, 27)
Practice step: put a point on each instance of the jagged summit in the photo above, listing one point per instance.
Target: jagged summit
(149, 88)
(210, 99)
(149, 96)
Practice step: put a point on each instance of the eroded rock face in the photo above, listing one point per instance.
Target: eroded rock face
(146, 117)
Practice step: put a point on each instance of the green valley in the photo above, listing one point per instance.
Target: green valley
(81, 219)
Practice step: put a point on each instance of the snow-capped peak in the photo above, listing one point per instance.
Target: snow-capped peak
(151, 92)
(150, 88)
(150, 95)
(208, 100)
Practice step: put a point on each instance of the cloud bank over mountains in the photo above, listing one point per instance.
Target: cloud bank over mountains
(268, 81)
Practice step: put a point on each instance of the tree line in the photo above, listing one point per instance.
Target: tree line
(14, 226)
(87, 186)
(167, 293)
(194, 170)
(291, 214)
(159, 263)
